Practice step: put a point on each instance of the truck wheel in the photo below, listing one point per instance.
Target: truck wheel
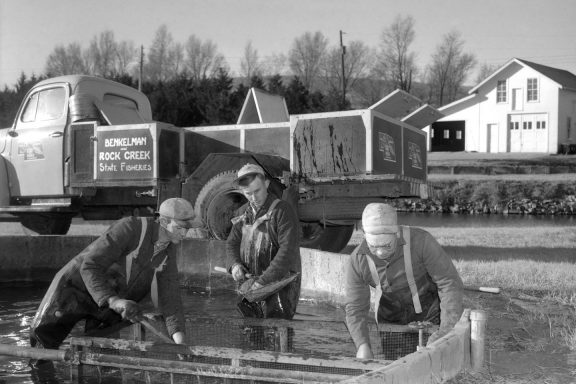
(331, 238)
(47, 224)
(217, 203)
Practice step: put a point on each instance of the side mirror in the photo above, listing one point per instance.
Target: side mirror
(12, 133)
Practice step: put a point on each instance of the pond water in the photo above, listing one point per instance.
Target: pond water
(18, 305)
(484, 220)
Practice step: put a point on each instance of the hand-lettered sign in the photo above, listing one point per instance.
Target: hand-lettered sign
(124, 154)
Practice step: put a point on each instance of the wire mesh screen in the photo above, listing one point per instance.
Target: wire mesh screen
(238, 350)
(394, 344)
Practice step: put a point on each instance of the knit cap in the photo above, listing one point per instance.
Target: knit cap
(379, 220)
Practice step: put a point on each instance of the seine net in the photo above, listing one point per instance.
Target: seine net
(238, 350)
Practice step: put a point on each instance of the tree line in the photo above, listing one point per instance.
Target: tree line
(190, 83)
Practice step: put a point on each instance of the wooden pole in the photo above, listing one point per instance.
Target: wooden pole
(34, 353)
(478, 319)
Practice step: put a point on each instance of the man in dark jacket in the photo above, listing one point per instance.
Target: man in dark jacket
(104, 283)
(414, 278)
(264, 244)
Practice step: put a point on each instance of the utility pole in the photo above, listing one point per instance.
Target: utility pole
(343, 72)
(141, 67)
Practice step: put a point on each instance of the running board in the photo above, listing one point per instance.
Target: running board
(41, 206)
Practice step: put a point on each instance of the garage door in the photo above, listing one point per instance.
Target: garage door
(528, 133)
(447, 136)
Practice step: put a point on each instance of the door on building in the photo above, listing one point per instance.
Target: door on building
(493, 138)
(528, 132)
(448, 136)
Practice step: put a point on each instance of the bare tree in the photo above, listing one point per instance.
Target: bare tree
(396, 63)
(449, 68)
(202, 58)
(275, 64)
(126, 57)
(158, 63)
(250, 64)
(176, 59)
(485, 71)
(102, 54)
(65, 61)
(306, 55)
(357, 61)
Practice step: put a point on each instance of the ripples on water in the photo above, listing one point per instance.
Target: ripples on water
(18, 305)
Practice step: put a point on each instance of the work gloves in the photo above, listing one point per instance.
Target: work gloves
(128, 309)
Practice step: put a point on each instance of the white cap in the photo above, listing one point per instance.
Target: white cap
(247, 170)
(181, 211)
(379, 221)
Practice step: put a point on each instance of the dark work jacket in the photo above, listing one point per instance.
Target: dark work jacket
(284, 235)
(99, 271)
(435, 276)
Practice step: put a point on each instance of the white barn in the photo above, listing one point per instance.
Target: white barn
(522, 107)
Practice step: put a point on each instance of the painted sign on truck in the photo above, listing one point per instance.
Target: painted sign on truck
(124, 154)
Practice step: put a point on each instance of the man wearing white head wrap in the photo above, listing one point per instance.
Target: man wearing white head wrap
(414, 278)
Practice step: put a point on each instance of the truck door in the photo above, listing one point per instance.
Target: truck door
(37, 143)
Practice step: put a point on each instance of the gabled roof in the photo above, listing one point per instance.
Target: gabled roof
(564, 79)
(263, 107)
(397, 104)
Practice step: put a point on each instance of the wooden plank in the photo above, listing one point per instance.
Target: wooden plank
(232, 353)
(434, 364)
(193, 368)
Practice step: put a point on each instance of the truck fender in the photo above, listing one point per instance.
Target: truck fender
(4, 187)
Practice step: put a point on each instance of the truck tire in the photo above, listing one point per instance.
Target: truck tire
(330, 238)
(47, 224)
(217, 203)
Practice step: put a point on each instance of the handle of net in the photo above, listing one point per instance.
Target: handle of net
(494, 290)
(224, 270)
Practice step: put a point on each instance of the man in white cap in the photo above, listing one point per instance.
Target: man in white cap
(414, 279)
(103, 284)
(264, 244)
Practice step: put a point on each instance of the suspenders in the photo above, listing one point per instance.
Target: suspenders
(134, 253)
(409, 275)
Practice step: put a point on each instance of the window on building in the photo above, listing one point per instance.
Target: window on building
(501, 91)
(511, 125)
(432, 133)
(516, 125)
(532, 89)
(543, 125)
(529, 125)
(458, 135)
(524, 125)
(446, 133)
(537, 125)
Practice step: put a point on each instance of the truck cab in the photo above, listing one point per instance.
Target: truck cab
(56, 129)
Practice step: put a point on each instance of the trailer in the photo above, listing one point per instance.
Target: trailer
(82, 145)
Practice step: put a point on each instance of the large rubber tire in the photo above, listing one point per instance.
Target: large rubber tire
(330, 238)
(217, 203)
(47, 224)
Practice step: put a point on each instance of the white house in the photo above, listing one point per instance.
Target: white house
(522, 107)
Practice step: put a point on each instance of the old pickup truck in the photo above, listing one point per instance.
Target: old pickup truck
(86, 146)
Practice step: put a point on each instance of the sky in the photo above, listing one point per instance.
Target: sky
(543, 31)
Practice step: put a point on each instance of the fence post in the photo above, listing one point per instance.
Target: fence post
(478, 319)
